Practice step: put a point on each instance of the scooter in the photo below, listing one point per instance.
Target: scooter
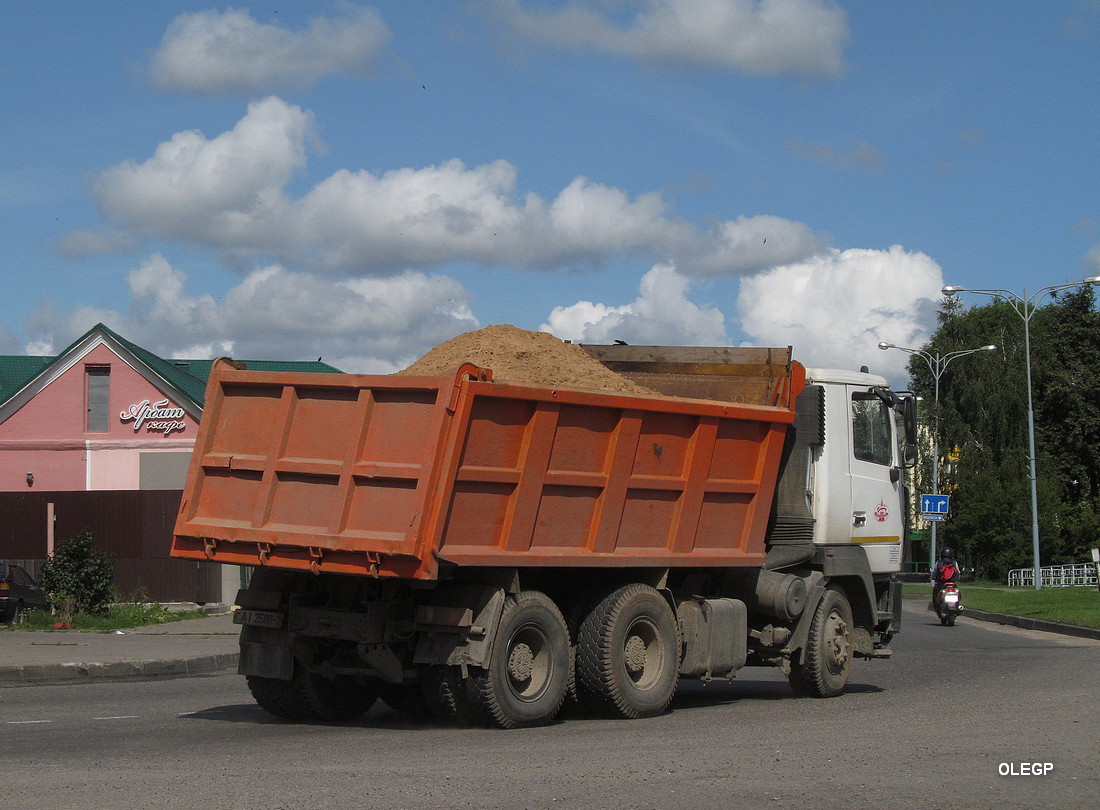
(948, 604)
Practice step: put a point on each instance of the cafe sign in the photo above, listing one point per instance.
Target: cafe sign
(156, 417)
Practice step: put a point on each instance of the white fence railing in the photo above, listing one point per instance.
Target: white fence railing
(1055, 576)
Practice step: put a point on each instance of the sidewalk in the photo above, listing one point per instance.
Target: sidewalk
(1033, 624)
(174, 650)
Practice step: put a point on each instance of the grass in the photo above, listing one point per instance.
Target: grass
(118, 617)
(1078, 606)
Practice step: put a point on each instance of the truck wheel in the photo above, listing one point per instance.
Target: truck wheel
(311, 697)
(628, 653)
(280, 698)
(528, 673)
(579, 607)
(406, 699)
(827, 658)
(445, 695)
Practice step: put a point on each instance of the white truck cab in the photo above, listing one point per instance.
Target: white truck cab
(857, 490)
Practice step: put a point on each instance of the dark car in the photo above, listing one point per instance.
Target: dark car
(18, 592)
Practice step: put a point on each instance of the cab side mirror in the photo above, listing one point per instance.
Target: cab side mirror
(909, 455)
(909, 420)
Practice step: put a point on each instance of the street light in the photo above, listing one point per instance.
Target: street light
(1025, 306)
(937, 363)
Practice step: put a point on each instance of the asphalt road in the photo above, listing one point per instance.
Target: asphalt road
(934, 727)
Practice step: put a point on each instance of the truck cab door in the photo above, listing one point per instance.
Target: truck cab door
(878, 513)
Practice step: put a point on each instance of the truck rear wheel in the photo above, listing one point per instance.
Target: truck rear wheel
(446, 696)
(827, 658)
(528, 673)
(628, 653)
(311, 697)
(406, 699)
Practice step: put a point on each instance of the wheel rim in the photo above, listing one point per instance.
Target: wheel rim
(642, 654)
(530, 666)
(836, 647)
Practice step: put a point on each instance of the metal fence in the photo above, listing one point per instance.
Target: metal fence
(133, 526)
(1055, 576)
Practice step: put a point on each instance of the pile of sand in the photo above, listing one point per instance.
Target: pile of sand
(516, 355)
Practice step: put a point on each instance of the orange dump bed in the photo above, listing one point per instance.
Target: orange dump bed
(394, 476)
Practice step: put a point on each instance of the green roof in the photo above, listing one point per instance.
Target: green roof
(186, 376)
(17, 370)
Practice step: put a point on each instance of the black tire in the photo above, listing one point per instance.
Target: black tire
(628, 653)
(528, 673)
(446, 696)
(312, 698)
(406, 699)
(826, 661)
(951, 620)
(580, 606)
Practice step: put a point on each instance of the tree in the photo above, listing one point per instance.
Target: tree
(79, 575)
(983, 421)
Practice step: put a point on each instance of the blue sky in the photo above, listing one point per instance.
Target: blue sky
(362, 181)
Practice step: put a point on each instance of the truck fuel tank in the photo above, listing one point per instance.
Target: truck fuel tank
(715, 633)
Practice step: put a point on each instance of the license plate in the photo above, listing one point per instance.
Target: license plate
(258, 618)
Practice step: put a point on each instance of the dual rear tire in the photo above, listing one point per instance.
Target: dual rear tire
(527, 677)
(622, 659)
(628, 654)
(309, 697)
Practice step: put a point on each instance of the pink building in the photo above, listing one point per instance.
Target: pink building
(103, 415)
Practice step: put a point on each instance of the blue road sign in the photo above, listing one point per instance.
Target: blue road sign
(934, 504)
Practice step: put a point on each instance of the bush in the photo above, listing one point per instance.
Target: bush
(79, 576)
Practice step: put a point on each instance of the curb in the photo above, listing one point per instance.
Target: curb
(91, 672)
(1033, 624)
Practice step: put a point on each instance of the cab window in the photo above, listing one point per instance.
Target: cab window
(871, 438)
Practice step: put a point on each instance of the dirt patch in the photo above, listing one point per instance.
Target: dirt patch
(517, 355)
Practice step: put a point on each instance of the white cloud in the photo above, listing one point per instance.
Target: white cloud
(862, 156)
(222, 191)
(211, 52)
(834, 309)
(763, 37)
(1092, 258)
(228, 193)
(83, 243)
(8, 342)
(660, 315)
(364, 325)
(749, 244)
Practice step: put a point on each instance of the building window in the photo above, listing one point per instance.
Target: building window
(98, 393)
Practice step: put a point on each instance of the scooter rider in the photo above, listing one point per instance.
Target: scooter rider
(946, 570)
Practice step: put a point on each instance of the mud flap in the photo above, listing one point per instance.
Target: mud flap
(458, 627)
(265, 653)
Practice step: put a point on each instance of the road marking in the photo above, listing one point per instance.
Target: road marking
(119, 717)
(26, 722)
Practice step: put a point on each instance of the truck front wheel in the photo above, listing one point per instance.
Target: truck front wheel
(528, 673)
(628, 653)
(826, 661)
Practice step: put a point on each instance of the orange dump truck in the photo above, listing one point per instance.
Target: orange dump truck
(485, 551)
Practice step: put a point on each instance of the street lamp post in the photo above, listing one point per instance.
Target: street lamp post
(1025, 306)
(937, 363)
